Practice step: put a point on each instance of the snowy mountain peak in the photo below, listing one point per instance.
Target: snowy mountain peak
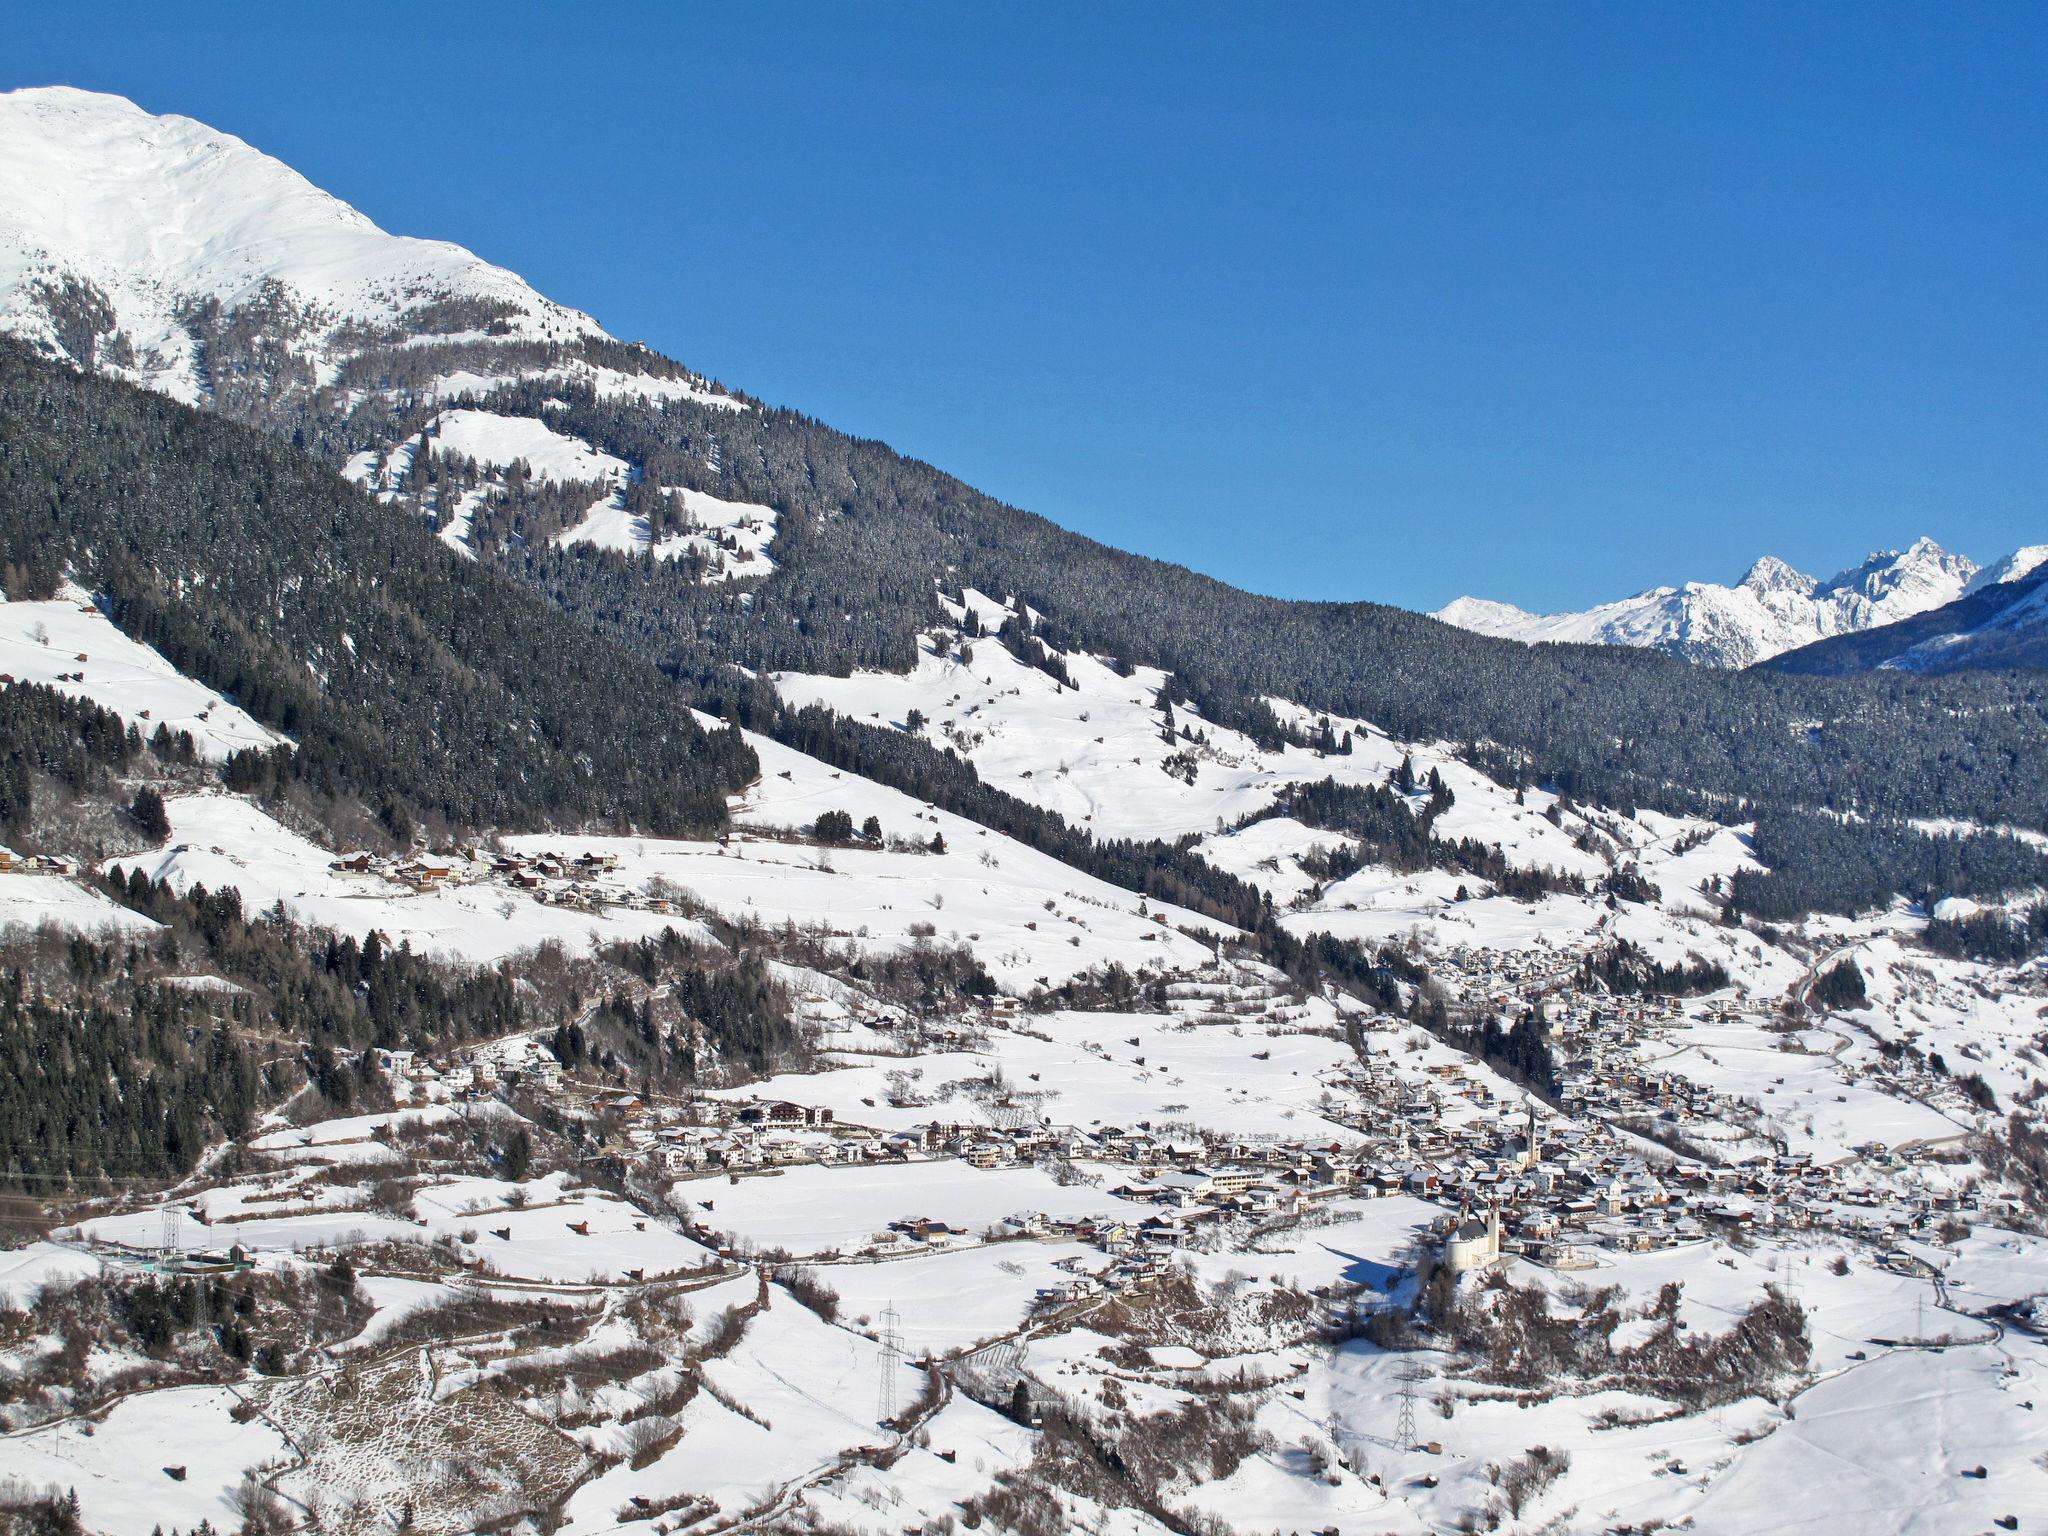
(1924, 567)
(1770, 574)
(1774, 608)
(1483, 615)
(117, 227)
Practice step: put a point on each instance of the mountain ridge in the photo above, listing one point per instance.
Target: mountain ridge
(2003, 624)
(162, 251)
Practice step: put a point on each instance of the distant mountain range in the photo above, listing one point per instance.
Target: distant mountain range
(1773, 610)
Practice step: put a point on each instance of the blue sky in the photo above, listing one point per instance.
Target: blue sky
(1544, 303)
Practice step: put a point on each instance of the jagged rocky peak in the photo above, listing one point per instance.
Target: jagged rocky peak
(1770, 574)
(1924, 565)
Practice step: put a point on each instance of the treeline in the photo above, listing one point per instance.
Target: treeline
(1840, 987)
(323, 990)
(130, 1084)
(1386, 831)
(110, 1068)
(71, 743)
(401, 674)
(1519, 1052)
(866, 536)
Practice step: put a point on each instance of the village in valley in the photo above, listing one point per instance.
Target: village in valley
(1242, 1197)
(584, 953)
(1590, 1208)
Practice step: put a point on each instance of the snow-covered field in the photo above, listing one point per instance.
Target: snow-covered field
(221, 841)
(813, 1210)
(494, 441)
(731, 538)
(69, 644)
(1095, 752)
(1025, 914)
(29, 901)
(117, 1466)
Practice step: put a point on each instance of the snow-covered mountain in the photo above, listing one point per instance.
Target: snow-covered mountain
(1001, 1045)
(1773, 609)
(1996, 624)
(161, 250)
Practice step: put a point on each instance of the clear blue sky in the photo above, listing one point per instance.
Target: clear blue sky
(1546, 303)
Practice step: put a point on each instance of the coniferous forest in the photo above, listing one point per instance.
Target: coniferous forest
(405, 678)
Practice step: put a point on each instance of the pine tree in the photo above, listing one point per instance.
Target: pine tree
(150, 816)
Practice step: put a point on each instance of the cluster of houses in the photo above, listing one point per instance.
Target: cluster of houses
(36, 863)
(1594, 1186)
(1513, 1178)
(569, 880)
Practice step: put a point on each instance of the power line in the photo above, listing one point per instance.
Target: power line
(1404, 1427)
(890, 1337)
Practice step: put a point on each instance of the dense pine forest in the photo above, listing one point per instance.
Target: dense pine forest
(411, 681)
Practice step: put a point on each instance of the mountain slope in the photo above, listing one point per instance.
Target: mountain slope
(1996, 626)
(2018, 564)
(1771, 610)
(864, 541)
(869, 539)
(407, 677)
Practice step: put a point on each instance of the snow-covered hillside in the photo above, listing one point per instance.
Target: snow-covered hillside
(1212, 1209)
(2022, 621)
(1104, 754)
(1773, 609)
(68, 644)
(845, 1164)
(724, 540)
